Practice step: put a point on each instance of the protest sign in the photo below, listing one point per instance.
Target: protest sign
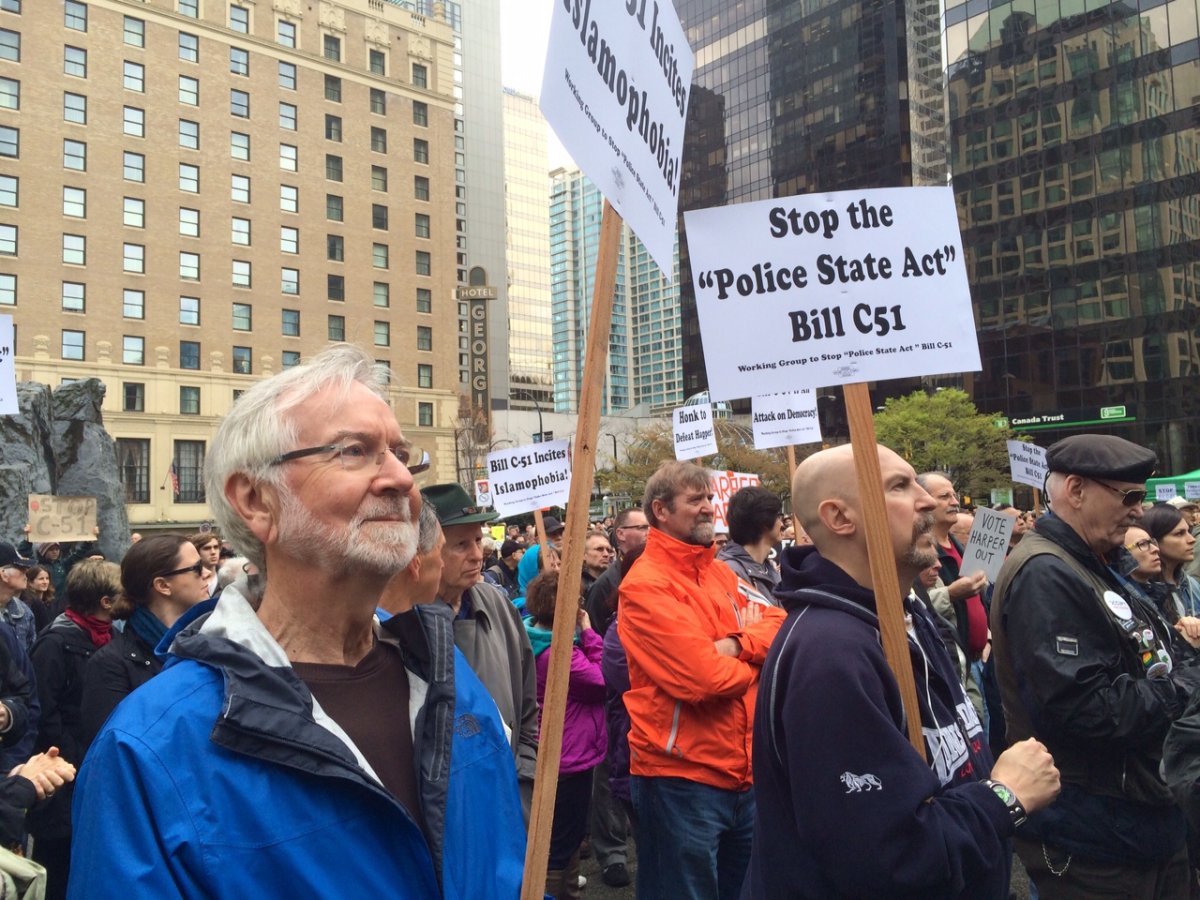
(8, 368)
(781, 420)
(987, 544)
(61, 518)
(527, 478)
(1164, 492)
(483, 492)
(831, 288)
(615, 91)
(1027, 463)
(724, 486)
(1191, 490)
(695, 435)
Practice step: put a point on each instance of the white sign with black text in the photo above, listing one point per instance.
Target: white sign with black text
(531, 477)
(1191, 490)
(695, 435)
(1164, 492)
(1027, 463)
(724, 486)
(782, 420)
(988, 543)
(8, 368)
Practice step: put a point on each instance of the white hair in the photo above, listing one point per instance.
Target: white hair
(428, 529)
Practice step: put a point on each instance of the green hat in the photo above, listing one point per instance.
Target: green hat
(453, 505)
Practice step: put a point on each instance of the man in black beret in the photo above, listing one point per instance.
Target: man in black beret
(1085, 667)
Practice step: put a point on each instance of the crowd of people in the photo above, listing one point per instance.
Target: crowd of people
(338, 692)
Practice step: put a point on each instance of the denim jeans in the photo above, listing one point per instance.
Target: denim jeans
(693, 840)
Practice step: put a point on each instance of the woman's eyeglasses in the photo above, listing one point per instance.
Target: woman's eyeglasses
(197, 569)
(1143, 545)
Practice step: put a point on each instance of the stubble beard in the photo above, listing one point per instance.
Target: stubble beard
(921, 555)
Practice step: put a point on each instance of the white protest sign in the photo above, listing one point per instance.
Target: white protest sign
(8, 369)
(53, 518)
(987, 544)
(1191, 490)
(781, 420)
(695, 435)
(831, 289)
(483, 492)
(1027, 462)
(615, 91)
(531, 477)
(724, 486)
(1164, 492)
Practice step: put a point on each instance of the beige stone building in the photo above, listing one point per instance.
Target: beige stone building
(197, 193)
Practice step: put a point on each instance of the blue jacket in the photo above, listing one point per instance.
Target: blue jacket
(223, 777)
(845, 806)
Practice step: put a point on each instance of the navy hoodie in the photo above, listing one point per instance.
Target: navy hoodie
(846, 807)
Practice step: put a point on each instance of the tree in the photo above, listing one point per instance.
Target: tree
(944, 431)
(473, 441)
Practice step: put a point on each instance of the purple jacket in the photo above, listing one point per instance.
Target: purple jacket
(584, 737)
(616, 676)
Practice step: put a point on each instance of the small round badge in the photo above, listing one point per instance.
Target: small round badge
(1117, 605)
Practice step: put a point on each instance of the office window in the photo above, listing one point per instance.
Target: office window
(424, 337)
(288, 157)
(10, 45)
(8, 240)
(75, 62)
(189, 178)
(241, 360)
(424, 375)
(381, 291)
(420, 150)
(333, 207)
(335, 287)
(189, 222)
(239, 188)
(74, 202)
(189, 310)
(378, 102)
(289, 198)
(74, 249)
(134, 32)
(10, 93)
(133, 121)
(189, 400)
(285, 33)
(239, 146)
(420, 76)
(291, 323)
(331, 47)
(379, 216)
(189, 354)
(189, 266)
(333, 167)
(425, 415)
(75, 15)
(133, 166)
(74, 155)
(377, 61)
(133, 212)
(190, 8)
(379, 140)
(239, 104)
(134, 78)
(241, 273)
(379, 178)
(289, 239)
(189, 134)
(239, 19)
(189, 90)
(133, 454)
(72, 344)
(8, 290)
(74, 296)
(421, 187)
(133, 304)
(133, 258)
(133, 350)
(383, 334)
(424, 263)
(189, 469)
(287, 116)
(421, 225)
(335, 247)
(333, 128)
(239, 61)
(420, 113)
(287, 76)
(333, 88)
(379, 255)
(239, 231)
(9, 190)
(289, 280)
(289, 358)
(189, 47)
(135, 401)
(242, 317)
(337, 328)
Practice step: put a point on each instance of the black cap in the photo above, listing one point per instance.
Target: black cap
(508, 548)
(1101, 456)
(552, 525)
(10, 557)
(453, 505)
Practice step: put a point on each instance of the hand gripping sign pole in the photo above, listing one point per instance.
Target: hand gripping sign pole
(566, 608)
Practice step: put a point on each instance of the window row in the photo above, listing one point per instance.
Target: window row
(185, 472)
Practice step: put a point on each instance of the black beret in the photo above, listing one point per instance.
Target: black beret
(1101, 456)
(508, 548)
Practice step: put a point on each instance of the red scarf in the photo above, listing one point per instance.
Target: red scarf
(99, 630)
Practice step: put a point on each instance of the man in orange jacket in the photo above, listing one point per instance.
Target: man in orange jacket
(695, 646)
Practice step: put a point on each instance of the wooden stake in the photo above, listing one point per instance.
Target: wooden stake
(791, 463)
(583, 466)
(539, 525)
(883, 561)
(1037, 502)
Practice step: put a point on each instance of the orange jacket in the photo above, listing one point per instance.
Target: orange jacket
(691, 709)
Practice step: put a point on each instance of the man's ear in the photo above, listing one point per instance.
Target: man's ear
(836, 517)
(1073, 490)
(255, 502)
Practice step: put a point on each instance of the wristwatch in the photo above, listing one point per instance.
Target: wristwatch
(1016, 811)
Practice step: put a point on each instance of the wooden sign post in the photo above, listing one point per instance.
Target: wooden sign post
(791, 453)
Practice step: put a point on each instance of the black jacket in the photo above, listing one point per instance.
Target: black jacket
(125, 663)
(601, 597)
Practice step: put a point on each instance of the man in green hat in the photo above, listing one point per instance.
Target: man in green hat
(487, 627)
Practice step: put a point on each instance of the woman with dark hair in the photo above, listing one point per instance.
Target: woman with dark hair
(1177, 593)
(39, 596)
(162, 578)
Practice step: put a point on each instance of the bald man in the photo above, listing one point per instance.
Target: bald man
(846, 806)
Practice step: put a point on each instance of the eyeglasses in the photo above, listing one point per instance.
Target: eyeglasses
(356, 456)
(1143, 546)
(633, 528)
(1131, 497)
(197, 570)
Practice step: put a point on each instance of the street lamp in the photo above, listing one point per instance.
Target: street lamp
(529, 396)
